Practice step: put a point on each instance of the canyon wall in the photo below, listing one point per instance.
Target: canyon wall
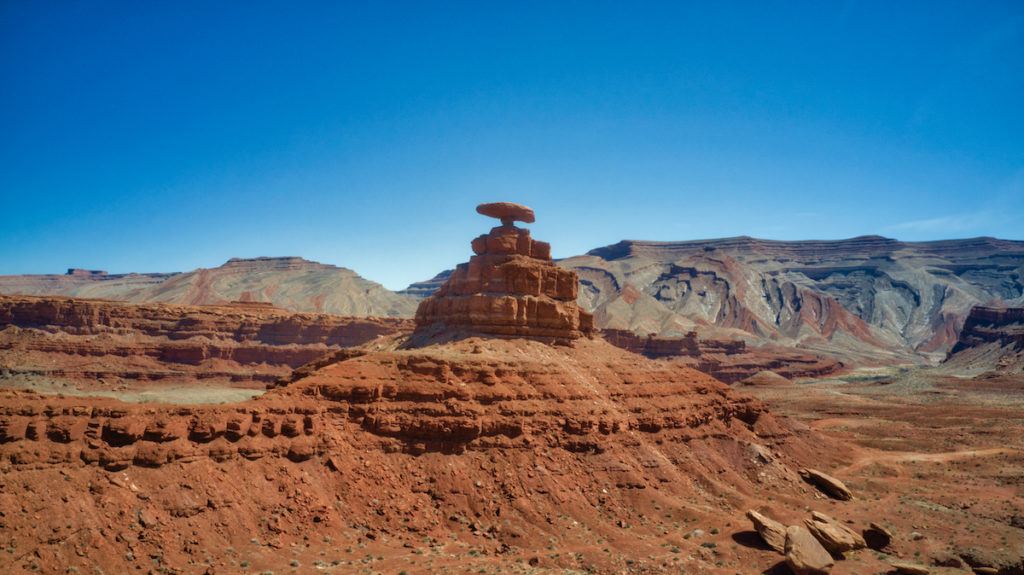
(89, 340)
(866, 299)
(991, 343)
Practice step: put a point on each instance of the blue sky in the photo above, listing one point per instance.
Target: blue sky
(165, 136)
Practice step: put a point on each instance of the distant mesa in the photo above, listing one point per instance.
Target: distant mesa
(248, 301)
(425, 288)
(510, 287)
(83, 273)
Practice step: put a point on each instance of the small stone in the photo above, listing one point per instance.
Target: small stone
(147, 518)
(946, 559)
(909, 568)
(877, 537)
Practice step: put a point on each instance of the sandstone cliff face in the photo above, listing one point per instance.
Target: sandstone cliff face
(867, 298)
(991, 343)
(125, 287)
(87, 340)
(288, 282)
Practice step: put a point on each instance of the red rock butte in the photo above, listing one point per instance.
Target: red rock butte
(510, 288)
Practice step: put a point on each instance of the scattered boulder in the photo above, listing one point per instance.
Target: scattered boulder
(828, 485)
(946, 559)
(877, 537)
(834, 536)
(148, 518)
(762, 453)
(993, 561)
(772, 532)
(804, 555)
(909, 568)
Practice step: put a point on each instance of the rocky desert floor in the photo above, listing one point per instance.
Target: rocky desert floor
(938, 458)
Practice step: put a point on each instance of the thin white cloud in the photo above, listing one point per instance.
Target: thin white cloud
(948, 223)
(1002, 206)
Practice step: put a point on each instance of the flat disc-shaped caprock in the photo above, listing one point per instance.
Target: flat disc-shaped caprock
(507, 212)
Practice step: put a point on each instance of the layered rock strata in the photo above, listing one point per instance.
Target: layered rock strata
(991, 343)
(510, 287)
(87, 341)
(863, 299)
(1002, 326)
(726, 360)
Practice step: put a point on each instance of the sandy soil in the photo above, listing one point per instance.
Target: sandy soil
(168, 391)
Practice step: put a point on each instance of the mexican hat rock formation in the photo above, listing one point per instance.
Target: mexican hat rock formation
(510, 287)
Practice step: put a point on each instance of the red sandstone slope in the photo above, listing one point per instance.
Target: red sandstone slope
(103, 345)
(499, 446)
